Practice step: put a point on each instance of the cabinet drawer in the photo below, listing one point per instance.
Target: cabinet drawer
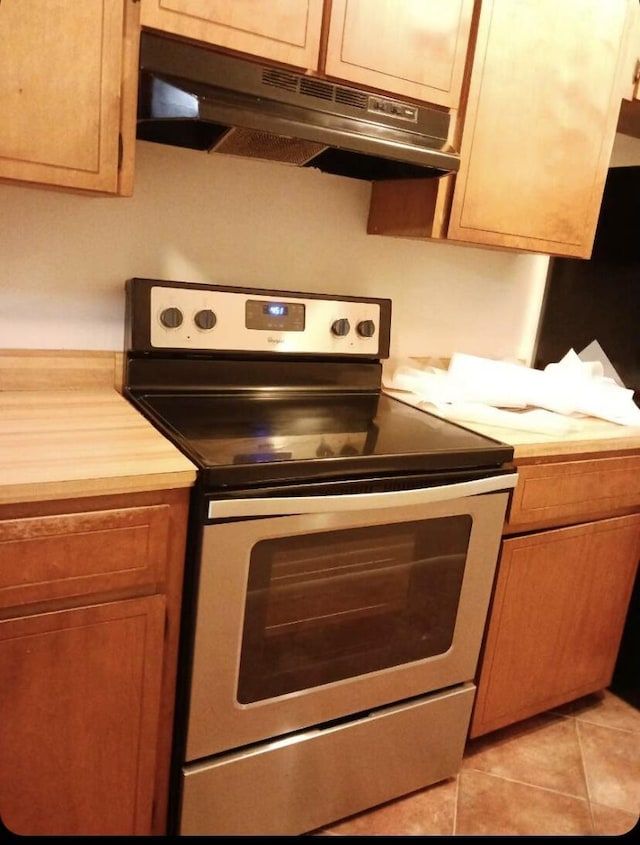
(572, 491)
(68, 555)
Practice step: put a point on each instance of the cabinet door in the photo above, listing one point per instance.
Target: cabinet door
(286, 31)
(60, 98)
(415, 48)
(541, 119)
(557, 618)
(631, 72)
(79, 703)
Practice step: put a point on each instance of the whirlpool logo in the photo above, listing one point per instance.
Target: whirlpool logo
(275, 340)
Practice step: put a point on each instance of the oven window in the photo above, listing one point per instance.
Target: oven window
(332, 605)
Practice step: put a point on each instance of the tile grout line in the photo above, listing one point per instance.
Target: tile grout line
(581, 719)
(455, 804)
(585, 774)
(530, 785)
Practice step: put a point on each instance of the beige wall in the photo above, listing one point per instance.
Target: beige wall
(194, 217)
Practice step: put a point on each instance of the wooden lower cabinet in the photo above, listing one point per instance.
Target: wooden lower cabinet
(557, 617)
(79, 705)
(90, 595)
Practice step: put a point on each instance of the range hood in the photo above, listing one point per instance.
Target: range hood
(193, 97)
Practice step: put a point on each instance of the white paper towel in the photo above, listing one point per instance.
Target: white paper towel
(472, 384)
(538, 420)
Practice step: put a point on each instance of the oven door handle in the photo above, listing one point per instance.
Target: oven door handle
(294, 505)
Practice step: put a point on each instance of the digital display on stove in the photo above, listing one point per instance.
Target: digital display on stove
(265, 315)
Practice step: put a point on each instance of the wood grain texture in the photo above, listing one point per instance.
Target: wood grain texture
(129, 97)
(538, 134)
(286, 31)
(556, 620)
(61, 444)
(91, 553)
(173, 583)
(59, 369)
(629, 118)
(60, 555)
(79, 697)
(412, 48)
(574, 491)
(409, 208)
(60, 97)
(630, 80)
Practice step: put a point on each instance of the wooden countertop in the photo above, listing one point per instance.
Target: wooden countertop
(593, 436)
(59, 444)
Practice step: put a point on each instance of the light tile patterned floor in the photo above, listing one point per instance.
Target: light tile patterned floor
(571, 771)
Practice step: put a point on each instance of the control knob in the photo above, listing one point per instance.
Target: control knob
(205, 319)
(366, 328)
(341, 327)
(171, 318)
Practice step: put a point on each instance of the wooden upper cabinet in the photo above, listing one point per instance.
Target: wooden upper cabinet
(543, 105)
(631, 72)
(413, 48)
(67, 70)
(286, 31)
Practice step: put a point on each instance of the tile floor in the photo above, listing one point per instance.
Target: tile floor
(570, 771)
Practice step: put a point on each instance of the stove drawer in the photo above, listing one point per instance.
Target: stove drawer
(297, 784)
(68, 555)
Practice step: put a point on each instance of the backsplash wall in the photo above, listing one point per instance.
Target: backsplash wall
(216, 219)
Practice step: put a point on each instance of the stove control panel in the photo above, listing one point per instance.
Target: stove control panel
(188, 316)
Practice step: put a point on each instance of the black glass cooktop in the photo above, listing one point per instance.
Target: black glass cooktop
(276, 437)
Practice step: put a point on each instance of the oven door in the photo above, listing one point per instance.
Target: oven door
(313, 609)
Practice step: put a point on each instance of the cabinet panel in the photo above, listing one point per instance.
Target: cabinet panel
(631, 72)
(79, 702)
(286, 31)
(553, 494)
(557, 618)
(65, 555)
(416, 48)
(62, 66)
(543, 105)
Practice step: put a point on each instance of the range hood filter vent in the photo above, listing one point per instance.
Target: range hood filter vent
(261, 145)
